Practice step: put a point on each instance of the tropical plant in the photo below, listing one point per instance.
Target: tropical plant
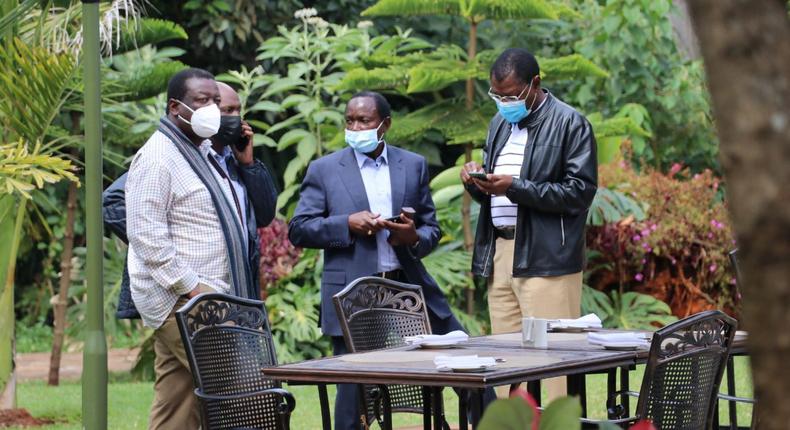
(634, 41)
(27, 160)
(677, 252)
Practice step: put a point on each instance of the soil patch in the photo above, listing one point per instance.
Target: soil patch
(21, 418)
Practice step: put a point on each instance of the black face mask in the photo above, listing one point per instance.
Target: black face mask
(229, 131)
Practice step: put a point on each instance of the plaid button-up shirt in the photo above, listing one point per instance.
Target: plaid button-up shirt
(175, 237)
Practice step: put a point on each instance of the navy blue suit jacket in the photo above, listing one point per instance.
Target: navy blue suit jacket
(331, 191)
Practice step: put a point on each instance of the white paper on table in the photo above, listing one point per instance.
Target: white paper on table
(438, 339)
(587, 321)
(449, 362)
(630, 338)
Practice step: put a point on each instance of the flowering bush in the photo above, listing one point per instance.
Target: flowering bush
(678, 253)
(278, 255)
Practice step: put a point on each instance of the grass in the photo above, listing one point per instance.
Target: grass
(130, 401)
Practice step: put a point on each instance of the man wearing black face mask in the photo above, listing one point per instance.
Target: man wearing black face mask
(179, 190)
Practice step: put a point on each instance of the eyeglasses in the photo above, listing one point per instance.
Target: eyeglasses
(507, 99)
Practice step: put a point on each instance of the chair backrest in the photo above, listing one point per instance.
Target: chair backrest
(686, 363)
(377, 313)
(228, 341)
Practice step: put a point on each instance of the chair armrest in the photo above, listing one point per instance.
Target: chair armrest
(737, 399)
(287, 403)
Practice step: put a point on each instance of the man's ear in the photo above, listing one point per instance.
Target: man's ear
(172, 107)
(386, 125)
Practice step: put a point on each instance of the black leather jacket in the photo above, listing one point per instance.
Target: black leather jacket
(554, 192)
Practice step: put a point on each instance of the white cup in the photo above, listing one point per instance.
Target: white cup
(534, 333)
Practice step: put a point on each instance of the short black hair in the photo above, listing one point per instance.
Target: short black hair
(382, 105)
(516, 62)
(177, 86)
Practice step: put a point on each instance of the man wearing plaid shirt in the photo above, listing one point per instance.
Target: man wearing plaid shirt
(177, 247)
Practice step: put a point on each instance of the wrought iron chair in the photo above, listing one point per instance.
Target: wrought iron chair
(377, 313)
(684, 369)
(228, 342)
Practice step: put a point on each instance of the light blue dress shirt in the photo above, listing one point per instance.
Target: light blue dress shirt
(376, 177)
(238, 187)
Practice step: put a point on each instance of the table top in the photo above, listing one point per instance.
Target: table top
(567, 354)
(409, 365)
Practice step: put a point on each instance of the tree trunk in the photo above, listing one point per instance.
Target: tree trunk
(12, 216)
(61, 304)
(746, 47)
(466, 204)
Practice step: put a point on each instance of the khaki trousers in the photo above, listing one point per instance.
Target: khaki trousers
(511, 299)
(175, 405)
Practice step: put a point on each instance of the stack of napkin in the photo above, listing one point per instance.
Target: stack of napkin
(621, 339)
(587, 321)
(438, 339)
(444, 362)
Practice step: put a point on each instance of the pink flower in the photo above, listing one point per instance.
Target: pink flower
(677, 167)
(644, 261)
(733, 281)
(639, 277)
(674, 261)
(654, 227)
(645, 232)
(712, 268)
(710, 235)
(636, 238)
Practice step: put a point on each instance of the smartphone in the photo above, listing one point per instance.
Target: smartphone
(395, 219)
(483, 176)
(242, 143)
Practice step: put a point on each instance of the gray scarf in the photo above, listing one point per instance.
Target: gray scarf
(241, 275)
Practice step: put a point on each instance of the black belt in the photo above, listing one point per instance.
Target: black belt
(395, 275)
(507, 233)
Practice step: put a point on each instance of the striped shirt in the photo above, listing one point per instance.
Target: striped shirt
(509, 161)
(175, 237)
(504, 212)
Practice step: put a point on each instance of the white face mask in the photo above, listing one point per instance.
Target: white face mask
(205, 121)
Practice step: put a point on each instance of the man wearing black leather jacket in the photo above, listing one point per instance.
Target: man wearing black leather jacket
(540, 177)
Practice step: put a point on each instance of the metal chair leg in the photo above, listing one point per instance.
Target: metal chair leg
(326, 419)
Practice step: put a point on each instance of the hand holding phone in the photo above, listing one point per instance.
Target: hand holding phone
(483, 176)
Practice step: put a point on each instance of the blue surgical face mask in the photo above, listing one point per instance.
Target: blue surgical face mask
(364, 141)
(514, 111)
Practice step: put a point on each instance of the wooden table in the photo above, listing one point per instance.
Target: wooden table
(412, 366)
(568, 354)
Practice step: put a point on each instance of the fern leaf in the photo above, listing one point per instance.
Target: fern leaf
(434, 77)
(509, 9)
(390, 78)
(148, 82)
(413, 8)
(572, 66)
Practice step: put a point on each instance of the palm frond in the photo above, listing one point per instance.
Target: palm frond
(148, 31)
(27, 72)
(23, 170)
(12, 17)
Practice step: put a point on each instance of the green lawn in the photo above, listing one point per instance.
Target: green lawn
(129, 402)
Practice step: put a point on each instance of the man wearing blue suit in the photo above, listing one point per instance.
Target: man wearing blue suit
(346, 198)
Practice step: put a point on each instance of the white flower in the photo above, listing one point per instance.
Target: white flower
(305, 13)
(364, 24)
(318, 22)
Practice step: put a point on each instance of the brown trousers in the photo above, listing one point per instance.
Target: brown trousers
(511, 299)
(175, 405)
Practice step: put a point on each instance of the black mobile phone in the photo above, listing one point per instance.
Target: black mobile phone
(483, 176)
(395, 219)
(242, 143)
